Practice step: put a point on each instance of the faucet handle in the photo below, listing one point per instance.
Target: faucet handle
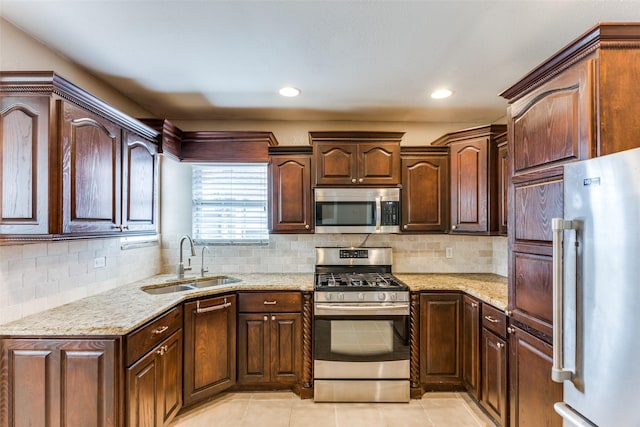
(188, 267)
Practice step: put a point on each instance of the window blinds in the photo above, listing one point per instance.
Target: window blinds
(230, 203)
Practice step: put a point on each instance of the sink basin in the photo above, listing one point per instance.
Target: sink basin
(214, 281)
(169, 289)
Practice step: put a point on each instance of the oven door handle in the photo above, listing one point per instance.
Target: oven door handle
(378, 214)
(372, 309)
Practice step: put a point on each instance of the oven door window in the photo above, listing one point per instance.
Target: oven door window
(345, 213)
(357, 339)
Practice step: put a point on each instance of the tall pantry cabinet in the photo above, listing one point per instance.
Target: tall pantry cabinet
(579, 104)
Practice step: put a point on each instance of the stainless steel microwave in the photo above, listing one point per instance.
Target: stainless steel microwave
(357, 210)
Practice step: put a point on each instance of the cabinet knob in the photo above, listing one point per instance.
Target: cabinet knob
(361, 180)
(511, 330)
(474, 305)
(306, 226)
(405, 226)
(500, 345)
(273, 317)
(353, 180)
(453, 227)
(265, 318)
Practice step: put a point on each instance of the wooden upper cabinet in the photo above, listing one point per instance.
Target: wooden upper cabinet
(425, 189)
(474, 178)
(290, 186)
(92, 170)
(24, 168)
(356, 158)
(72, 166)
(139, 184)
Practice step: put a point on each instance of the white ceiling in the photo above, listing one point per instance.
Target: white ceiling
(353, 60)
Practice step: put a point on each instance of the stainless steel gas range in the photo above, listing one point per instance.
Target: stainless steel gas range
(361, 327)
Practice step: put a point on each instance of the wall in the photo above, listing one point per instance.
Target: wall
(285, 253)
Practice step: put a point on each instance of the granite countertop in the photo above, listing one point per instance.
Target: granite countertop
(123, 309)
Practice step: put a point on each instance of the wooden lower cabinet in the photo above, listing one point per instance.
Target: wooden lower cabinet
(470, 345)
(532, 393)
(154, 385)
(440, 318)
(209, 347)
(494, 376)
(44, 382)
(269, 348)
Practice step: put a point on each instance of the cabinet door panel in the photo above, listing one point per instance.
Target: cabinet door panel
(23, 165)
(531, 302)
(425, 190)
(210, 348)
(494, 376)
(286, 347)
(91, 172)
(142, 384)
(469, 185)
(532, 393)
(253, 348)
(291, 194)
(503, 188)
(335, 164)
(471, 345)
(170, 391)
(439, 340)
(378, 163)
(534, 206)
(139, 184)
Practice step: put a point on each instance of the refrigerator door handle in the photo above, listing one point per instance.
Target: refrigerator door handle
(559, 374)
(571, 417)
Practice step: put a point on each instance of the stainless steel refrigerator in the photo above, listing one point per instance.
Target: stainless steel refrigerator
(597, 292)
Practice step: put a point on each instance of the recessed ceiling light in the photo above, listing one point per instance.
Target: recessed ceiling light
(289, 91)
(441, 94)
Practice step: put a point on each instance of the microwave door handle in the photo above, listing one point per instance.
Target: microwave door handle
(378, 214)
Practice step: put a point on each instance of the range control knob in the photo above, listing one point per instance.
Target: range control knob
(382, 296)
(340, 296)
(393, 296)
(328, 295)
(360, 296)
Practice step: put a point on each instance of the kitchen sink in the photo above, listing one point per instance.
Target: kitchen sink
(214, 281)
(206, 283)
(169, 289)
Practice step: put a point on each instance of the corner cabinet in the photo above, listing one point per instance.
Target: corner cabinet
(290, 190)
(474, 178)
(356, 158)
(270, 339)
(210, 347)
(425, 189)
(78, 167)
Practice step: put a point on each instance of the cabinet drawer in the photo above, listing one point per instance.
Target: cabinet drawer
(148, 336)
(494, 320)
(272, 302)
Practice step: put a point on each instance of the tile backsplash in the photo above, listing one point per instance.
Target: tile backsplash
(39, 276)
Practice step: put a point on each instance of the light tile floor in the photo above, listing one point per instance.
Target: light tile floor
(285, 409)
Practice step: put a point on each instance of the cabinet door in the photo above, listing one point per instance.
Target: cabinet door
(494, 376)
(336, 164)
(24, 166)
(254, 362)
(286, 347)
(139, 190)
(91, 172)
(471, 345)
(378, 163)
(531, 393)
(210, 347)
(291, 199)
(59, 383)
(425, 193)
(469, 185)
(154, 385)
(440, 341)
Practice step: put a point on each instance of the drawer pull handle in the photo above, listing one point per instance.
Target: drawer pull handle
(270, 302)
(160, 330)
(491, 319)
(224, 305)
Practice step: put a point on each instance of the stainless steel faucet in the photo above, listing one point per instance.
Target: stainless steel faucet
(202, 269)
(181, 267)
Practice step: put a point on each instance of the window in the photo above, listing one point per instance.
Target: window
(230, 203)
